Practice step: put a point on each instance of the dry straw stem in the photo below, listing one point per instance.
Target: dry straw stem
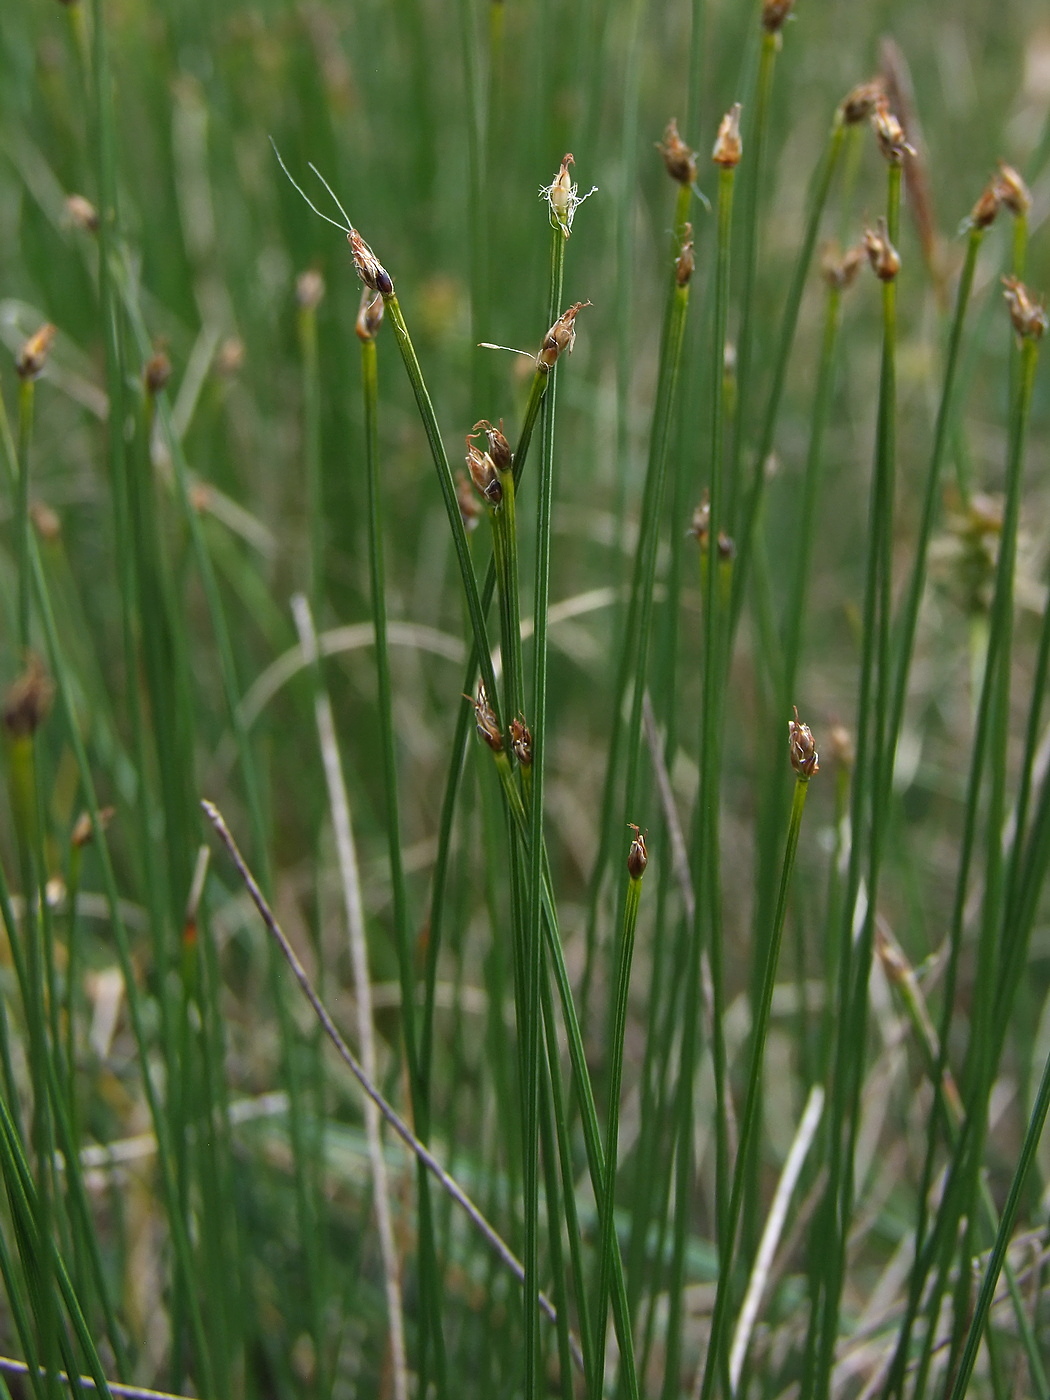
(339, 804)
(400, 1127)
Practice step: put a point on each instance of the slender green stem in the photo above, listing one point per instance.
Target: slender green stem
(535, 868)
(753, 185)
(1033, 1133)
(870, 791)
(716, 1361)
(448, 492)
(26, 400)
(821, 186)
(617, 1032)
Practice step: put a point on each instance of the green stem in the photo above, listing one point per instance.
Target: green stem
(717, 1362)
(607, 1204)
(26, 397)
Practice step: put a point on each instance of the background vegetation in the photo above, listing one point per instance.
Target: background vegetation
(191, 1176)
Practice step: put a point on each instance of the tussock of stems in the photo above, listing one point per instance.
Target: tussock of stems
(485, 720)
(840, 269)
(678, 158)
(775, 13)
(728, 147)
(82, 214)
(369, 314)
(28, 700)
(802, 748)
(33, 355)
(483, 473)
(564, 197)
(859, 103)
(686, 263)
(889, 133)
(499, 448)
(638, 855)
(883, 256)
(1028, 316)
(560, 338)
(521, 741)
(156, 373)
(309, 290)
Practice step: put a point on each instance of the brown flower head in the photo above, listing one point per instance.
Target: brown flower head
(485, 720)
(33, 355)
(561, 337)
(802, 748)
(1028, 316)
(638, 855)
(728, 146)
(370, 270)
(678, 158)
(28, 700)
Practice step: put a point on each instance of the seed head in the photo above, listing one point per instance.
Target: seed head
(369, 314)
(889, 132)
(883, 256)
(560, 337)
(686, 263)
(499, 448)
(81, 213)
(28, 700)
(1028, 316)
(802, 748)
(842, 750)
(679, 159)
(774, 14)
(983, 213)
(486, 721)
(156, 373)
(469, 509)
(83, 832)
(728, 146)
(309, 290)
(521, 740)
(700, 524)
(638, 855)
(840, 269)
(563, 196)
(370, 270)
(33, 355)
(483, 473)
(1013, 191)
(859, 103)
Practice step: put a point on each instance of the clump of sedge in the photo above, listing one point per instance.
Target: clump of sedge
(638, 855)
(33, 355)
(28, 700)
(802, 748)
(1028, 316)
(483, 472)
(728, 146)
(485, 720)
(678, 158)
(561, 337)
(521, 740)
(883, 256)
